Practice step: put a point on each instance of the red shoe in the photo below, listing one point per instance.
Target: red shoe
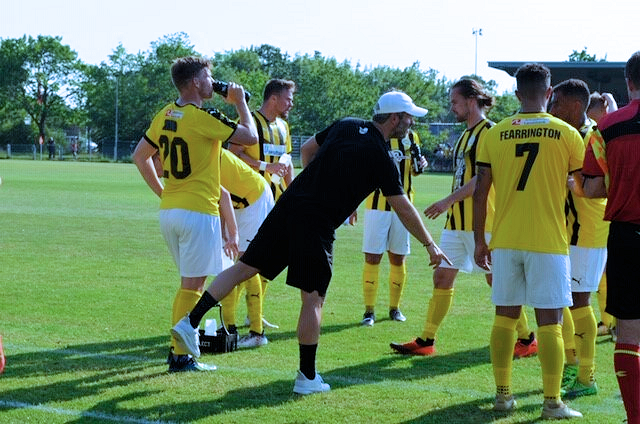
(413, 348)
(2, 359)
(522, 350)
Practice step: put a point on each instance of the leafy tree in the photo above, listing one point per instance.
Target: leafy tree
(142, 82)
(583, 56)
(38, 76)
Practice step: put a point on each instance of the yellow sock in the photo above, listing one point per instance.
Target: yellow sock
(585, 338)
(550, 346)
(568, 333)
(522, 328)
(606, 318)
(439, 305)
(264, 283)
(254, 303)
(229, 306)
(397, 278)
(183, 303)
(503, 337)
(370, 284)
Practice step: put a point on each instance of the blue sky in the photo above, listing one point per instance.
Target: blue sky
(437, 34)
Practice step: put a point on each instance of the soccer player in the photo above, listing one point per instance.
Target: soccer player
(527, 158)
(611, 170)
(599, 106)
(188, 139)
(274, 140)
(383, 231)
(587, 234)
(252, 200)
(469, 103)
(299, 231)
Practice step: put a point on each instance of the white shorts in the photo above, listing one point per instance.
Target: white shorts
(587, 267)
(194, 240)
(250, 218)
(459, 247)
(521, 277)
(383, 232)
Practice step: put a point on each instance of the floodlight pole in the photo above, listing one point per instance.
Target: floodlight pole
(476, 32)
(115, 145)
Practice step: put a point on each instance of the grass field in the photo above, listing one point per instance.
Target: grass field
(86, 291)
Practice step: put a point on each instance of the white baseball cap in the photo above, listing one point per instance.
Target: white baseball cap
(396, 102)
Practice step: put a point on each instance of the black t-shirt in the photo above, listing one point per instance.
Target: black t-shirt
(353, 160)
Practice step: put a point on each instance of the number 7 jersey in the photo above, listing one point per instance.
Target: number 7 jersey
(530, 156)
(189, 140)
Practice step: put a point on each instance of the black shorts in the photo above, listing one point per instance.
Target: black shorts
(289, 237)
(623, 279)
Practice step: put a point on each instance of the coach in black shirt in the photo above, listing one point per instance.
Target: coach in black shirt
(343, 164)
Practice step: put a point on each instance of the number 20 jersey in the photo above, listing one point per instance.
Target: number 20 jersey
(530, 155)
(189, 140)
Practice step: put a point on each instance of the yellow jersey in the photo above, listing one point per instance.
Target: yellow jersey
(243, 183)
(401, 154)
(586, 226)
(530, 156)
(189, 139)
(460, 214)
(274, 140)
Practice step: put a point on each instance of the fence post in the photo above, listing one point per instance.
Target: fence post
(8, 151)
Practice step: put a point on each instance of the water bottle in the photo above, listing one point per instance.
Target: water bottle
(222, 88)
(415, 158)
(285, 159)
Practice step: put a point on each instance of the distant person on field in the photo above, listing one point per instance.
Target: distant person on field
(51, 146)
(587, 234)
(188, 139)
(383, 231)
(299, 231)
(469, 103)
(611, 170)
(527, 157)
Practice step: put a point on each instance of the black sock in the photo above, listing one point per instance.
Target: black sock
(308, 360)
(203, 306)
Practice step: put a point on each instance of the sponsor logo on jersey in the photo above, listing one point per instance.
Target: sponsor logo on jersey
(363, 130)
(177, 114)
(530, 121)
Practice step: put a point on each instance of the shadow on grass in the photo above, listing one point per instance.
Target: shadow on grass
(102, 366)
(476, 411)
(115, 365)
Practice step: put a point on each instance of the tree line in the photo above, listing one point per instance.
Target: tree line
(46, 90)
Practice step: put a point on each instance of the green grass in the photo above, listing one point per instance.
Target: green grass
(86, 291)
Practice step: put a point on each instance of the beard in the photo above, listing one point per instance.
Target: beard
(399, 131)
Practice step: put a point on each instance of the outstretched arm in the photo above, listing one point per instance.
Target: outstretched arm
(410, 218)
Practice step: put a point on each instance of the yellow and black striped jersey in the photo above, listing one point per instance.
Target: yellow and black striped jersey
(243, 183)
(586, 226)
(401, 154)
(189, 140)
(273, 141)
(460, 214)
(530, 156)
